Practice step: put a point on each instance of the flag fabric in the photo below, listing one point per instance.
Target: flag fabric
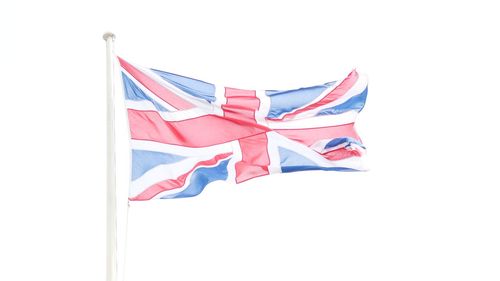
(186, 133)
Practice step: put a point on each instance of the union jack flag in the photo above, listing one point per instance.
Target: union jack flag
(186, 133)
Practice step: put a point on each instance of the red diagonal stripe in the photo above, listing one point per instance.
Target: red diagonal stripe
(341, 153)
(336, 93)
(157, 89)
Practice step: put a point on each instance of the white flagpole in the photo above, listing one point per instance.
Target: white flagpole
(111, 216)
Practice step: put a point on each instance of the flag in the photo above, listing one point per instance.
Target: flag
(186, 133)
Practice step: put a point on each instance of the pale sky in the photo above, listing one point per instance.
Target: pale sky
(427, 210)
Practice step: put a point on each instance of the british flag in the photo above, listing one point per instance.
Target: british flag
(186, 133)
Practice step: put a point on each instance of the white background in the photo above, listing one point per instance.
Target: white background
(428, 209)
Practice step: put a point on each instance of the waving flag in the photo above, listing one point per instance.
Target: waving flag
(186, 133)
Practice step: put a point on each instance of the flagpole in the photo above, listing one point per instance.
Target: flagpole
(111, 211)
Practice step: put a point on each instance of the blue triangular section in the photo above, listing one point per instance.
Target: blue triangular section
(293, 162)
(144, 160)
(132, 92)
(286, 101)
(200, 178)
(194, 87)
(338, 141)
(289, 158)
(356, 102)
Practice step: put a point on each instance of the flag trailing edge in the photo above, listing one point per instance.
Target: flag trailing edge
(186, 133)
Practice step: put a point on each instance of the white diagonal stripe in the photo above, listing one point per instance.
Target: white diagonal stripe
(316, 121)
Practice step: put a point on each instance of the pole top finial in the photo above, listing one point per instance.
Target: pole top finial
(107, 35)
